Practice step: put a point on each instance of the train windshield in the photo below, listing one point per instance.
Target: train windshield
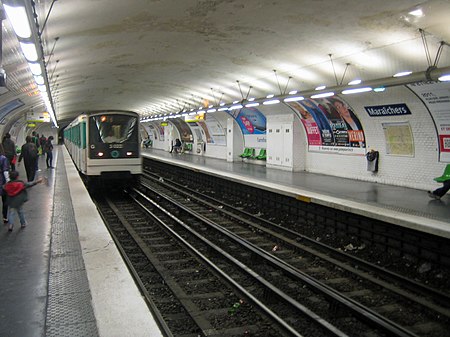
(109, 129)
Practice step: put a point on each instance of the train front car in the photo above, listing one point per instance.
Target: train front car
(113, 151)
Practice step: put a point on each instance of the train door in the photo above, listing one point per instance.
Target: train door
(83, 144)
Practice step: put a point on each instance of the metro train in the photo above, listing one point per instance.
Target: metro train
(105, 145)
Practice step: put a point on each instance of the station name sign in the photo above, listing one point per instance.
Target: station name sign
(388, 110)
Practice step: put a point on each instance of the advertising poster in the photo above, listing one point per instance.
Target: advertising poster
(184, 129)
(158, 131)
(198, 126)
(330, 125)
(436, 97)
(253, 125)
(217, 132)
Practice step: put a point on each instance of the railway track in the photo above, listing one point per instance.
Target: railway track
(184, 290)
(297, 287)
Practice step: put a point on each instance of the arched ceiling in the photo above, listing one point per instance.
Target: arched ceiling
(160, 56)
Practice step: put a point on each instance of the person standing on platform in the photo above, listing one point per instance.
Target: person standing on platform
(42, 141)
(10, 150)
(48, 149)
(29, 153)
(16, 196)
(4, 178)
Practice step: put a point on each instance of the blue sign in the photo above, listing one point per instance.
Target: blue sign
(387, 110)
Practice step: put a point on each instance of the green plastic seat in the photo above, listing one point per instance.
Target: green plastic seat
(248, 152)
(445, 176)
(261, 155)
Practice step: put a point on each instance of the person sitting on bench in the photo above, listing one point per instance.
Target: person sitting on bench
(176, 146)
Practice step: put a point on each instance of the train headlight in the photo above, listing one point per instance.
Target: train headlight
(129, 153)
(100, 154)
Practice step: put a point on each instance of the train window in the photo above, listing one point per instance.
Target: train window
(113, 128)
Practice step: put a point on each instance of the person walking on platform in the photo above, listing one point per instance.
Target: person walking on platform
(29, 153)
(10, 150)
(4, 178)
(16, 197)
(48, 149)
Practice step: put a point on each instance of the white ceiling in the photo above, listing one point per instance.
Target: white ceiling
(154, 56)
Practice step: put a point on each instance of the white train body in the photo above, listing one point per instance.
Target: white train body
(105, 144)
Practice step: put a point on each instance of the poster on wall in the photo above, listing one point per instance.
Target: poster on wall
(399, 139)
(253, 126)
(217, 132)
(330, 125)
(199, 128)
(158, 131)
(436, 97)
(183, 129)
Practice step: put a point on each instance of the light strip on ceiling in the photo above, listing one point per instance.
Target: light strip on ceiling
(19, 20)
(377, 85)
(356, 90)
(294, 99)
(322, 95)
(21, 16)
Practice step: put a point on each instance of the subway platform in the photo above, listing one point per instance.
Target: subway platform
(402, 206)
(62, 275)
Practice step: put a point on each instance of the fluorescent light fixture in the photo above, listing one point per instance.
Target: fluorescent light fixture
(235, 107)
(29, 50)
(325, 94)
(272, 101)
(39, 80)
(356, 90)
(403, 73)
(294, 99)
(19, 20)
(251, 99)
(201, 111)
(192, 113)
(249, 105)
(417, 12)
(211, 106)
(35, 68)
(354, 82)
(379, 89)
(293, 92)
(320, 87)
(444, 78)
(270, 96)
(222, 109)
(211, 110)
(235, 102)
(222, 104)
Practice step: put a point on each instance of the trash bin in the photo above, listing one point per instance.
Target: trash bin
(372, 161)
